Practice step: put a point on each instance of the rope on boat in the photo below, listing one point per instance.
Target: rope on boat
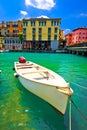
(79, 85)
(81, 113)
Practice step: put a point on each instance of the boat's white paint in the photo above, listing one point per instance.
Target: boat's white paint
(44, 83)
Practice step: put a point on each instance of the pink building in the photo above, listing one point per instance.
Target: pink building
(79, 35)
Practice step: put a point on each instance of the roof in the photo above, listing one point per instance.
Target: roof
(42, 18)
(79, 28)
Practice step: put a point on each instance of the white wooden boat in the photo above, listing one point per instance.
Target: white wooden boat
(44, 83)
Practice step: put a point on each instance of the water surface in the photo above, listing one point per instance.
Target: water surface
(21, 110)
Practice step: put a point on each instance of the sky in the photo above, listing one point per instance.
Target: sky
(73, 13)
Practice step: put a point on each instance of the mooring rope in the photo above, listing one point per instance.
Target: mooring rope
(79, 85)
(70, 125)
(81, 113)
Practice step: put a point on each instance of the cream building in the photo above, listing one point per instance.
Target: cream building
(41, 33)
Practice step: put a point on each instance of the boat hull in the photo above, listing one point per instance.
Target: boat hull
(50, 94)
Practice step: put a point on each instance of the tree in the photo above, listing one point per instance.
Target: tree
(21, 37)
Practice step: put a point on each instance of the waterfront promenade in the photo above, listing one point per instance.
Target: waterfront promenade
(78, 50)
(72, 50)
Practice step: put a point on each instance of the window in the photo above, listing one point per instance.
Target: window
(10, 41)
(55, 37)
(33, 37)
(5, 41)
(49, 30)
(55, 30)
(54, 23)
(15, 25)
(32, 23)
(25, 23)
(40, 37)
(42, 23)
(16, 31)
(40, 30)
(8, 25)
(24, 30)
(49, 37)
(24, 36)
(33, 30)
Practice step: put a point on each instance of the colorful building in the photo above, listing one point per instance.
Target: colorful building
(12, 40)
(62, 42)
(41, 33)
(68, 38)
(13, 28)
(12, 43)
(3, 31)
(77, 36)
(1, 42)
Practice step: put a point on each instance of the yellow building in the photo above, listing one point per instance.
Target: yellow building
(41, 33)
(1, 42)
(61, 34)
(2, 33)
(62, 41)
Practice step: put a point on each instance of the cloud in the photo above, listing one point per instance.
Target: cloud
(83, 15)
(23, 12)
(40, 4)
(66, 31)
(42, 16)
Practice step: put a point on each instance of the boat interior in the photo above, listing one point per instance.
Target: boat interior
(35, 71)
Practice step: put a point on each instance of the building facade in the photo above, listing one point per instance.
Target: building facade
(68, 38)
(11, 40)
(77, 37)
(62, 41)
(13, 28)
(41, 33)
(3, 31)
(12, 43)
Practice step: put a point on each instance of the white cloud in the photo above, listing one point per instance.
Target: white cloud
(40, 4)
(66, 31)
(24, 13)
(42, 16)
(83, 15)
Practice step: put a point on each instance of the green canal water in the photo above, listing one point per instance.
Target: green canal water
(21, 110)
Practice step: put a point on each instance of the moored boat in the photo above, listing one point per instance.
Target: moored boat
(44, 83)
(1, 51)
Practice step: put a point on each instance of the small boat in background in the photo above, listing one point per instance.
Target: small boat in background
(44, 83)
(1, 51)
(4, 50)
(0, 71)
